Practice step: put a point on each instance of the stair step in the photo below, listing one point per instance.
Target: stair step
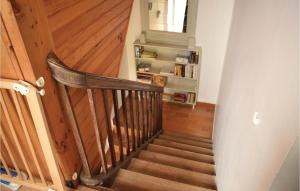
(190, 137)
(127, 181)
(172, 173)
(181, 153)
(177, 162)
(186, 141)
(182, 146)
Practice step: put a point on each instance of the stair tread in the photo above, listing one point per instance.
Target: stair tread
(190, 137)
(128, 180)
(183, 146)
(172, 173)
(178, 162)
(186, 141)
(181, 153)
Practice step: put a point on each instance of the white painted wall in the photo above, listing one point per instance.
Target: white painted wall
(260, 74)
(288, 176)
(212, 31)
(127, 68)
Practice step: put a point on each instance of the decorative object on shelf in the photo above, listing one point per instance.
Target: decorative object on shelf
(160, 80)
(144, 67)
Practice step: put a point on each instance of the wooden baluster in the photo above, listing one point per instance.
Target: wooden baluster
(109, 129)
(98, 133)
(27, 136)
(147, 114)
(160, 111)
(117, 117)
(10, 153)
(124, 107)
(15, 137)
(143, 116)
(157, 112)
(153, 114)
(131, 119)
(5, 165)
(137, 114)
(75, 129)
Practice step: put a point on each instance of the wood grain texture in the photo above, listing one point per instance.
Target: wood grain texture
(127, 181)
(89, 36)
(197, 122)
(177, 162)
(172, 173)
(181, 153)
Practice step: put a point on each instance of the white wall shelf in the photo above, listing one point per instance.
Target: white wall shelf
(166, 58)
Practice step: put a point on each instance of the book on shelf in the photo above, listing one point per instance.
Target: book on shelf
(192, 58)
(188, 97)
(186, 71)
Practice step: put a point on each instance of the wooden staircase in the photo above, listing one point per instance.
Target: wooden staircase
(171, 162)
(140, 155)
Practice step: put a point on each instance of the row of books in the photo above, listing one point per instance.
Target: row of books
(184, 97)
(192, 58)
(186, 71)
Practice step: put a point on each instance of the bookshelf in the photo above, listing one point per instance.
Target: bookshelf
(176, 67)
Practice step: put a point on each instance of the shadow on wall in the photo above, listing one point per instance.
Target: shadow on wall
(288, 176)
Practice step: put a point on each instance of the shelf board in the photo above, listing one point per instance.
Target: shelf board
(161, 45)
(177, 102)
(181, 89)
(178, 77)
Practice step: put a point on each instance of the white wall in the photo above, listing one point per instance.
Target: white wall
(127, 68)
(260, 74)
(288, 176)
(212, 31)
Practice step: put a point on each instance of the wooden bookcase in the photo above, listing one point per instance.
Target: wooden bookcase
(164, 64)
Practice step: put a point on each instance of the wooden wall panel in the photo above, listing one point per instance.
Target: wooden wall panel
(89, 36)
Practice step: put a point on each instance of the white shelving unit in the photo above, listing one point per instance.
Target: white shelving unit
(166, 58)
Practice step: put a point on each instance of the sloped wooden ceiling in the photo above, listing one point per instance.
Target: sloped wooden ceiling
(89, 36)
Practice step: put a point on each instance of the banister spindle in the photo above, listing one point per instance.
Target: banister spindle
(147, 115)
(160, 111)
(98, 133)
(75, 129)
(143, 116)
(131, 119)
(137, 119)
(153, 114)
(109, 129)
(118, 126)
(124, 107)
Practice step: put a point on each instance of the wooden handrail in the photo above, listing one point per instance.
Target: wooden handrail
(77, 79)
(138, 105)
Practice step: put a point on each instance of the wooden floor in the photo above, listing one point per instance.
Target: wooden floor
(185, 120)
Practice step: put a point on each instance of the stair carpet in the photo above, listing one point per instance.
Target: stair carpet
(172, 162)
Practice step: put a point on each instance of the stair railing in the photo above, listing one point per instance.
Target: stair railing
(141, 107)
